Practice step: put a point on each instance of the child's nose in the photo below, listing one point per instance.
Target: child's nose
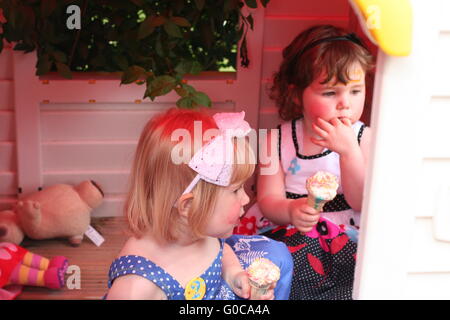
(344, 102)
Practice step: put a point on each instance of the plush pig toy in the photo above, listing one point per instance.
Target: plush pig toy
(59, 211)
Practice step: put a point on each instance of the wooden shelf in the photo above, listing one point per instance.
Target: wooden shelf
(93, 261)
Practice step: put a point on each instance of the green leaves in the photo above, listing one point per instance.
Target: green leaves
(191, 98)
(200, 4)
(149, 25)
(55, 58)
(160, 86)
(44, 65)
(171, 26)
(145, 28)
(188, 67)
(132, 74)
(63, 70)
(172, 29)
(47, 7)
(180, 21)
(156, 43)
(201, 99)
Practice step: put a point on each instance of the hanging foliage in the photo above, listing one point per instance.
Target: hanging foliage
(153, 43)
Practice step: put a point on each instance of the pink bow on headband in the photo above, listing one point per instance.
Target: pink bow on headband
(213, 162)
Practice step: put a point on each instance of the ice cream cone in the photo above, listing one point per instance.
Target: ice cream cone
(316, 203)
(322, 187)
(258, 290)
(262, 274)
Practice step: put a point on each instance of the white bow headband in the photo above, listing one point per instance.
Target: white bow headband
(213, 162)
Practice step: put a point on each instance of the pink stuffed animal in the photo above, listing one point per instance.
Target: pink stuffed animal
(59, 211)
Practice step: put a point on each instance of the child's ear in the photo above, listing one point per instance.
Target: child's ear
(297, 96)
(184, 204)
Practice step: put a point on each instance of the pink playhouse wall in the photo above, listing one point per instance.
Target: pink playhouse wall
(65, 131)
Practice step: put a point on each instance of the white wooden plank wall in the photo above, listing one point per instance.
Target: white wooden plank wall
(8, 181)
(429, 263)
(283, 21)
(96, 141)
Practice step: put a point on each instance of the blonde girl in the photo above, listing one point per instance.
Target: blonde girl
(186, 196)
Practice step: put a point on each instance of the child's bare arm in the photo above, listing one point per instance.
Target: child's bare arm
(282, 211)
(271, 197)
(234, 274)
(132, 287)
(271, 193)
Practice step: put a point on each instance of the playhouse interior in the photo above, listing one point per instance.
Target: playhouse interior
(68, 131)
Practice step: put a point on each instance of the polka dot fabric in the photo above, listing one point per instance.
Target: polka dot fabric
(323, 266)
(216, 287)
(337, 204)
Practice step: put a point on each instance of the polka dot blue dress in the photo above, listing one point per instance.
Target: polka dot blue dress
(216, 287)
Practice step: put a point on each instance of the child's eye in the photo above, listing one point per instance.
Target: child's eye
(237, 190)
(328, 94)
(355, 92)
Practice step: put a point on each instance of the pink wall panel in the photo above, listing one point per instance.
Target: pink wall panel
(6, 94)
(97, 125)
(87, 156)
(7, 126)
(8, 177)
(6, 64)
(112, 182)
(79, 122)
(111, 206)
(279, 32)
(308, 7)
(8, 185)
(265, 101)
(7, 156)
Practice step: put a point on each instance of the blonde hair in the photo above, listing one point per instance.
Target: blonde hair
(156, 182)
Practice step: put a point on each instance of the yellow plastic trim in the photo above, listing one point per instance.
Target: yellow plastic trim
(388, 23)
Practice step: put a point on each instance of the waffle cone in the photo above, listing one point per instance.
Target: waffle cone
(316, 203)
(258, 290)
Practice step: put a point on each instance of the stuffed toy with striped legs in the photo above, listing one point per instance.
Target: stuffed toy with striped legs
(20, 267)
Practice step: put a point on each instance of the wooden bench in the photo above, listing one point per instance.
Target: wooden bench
(93, 262)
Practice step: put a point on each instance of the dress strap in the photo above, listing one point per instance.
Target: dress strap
(294, 139)
(140, 266)
(360, 133)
